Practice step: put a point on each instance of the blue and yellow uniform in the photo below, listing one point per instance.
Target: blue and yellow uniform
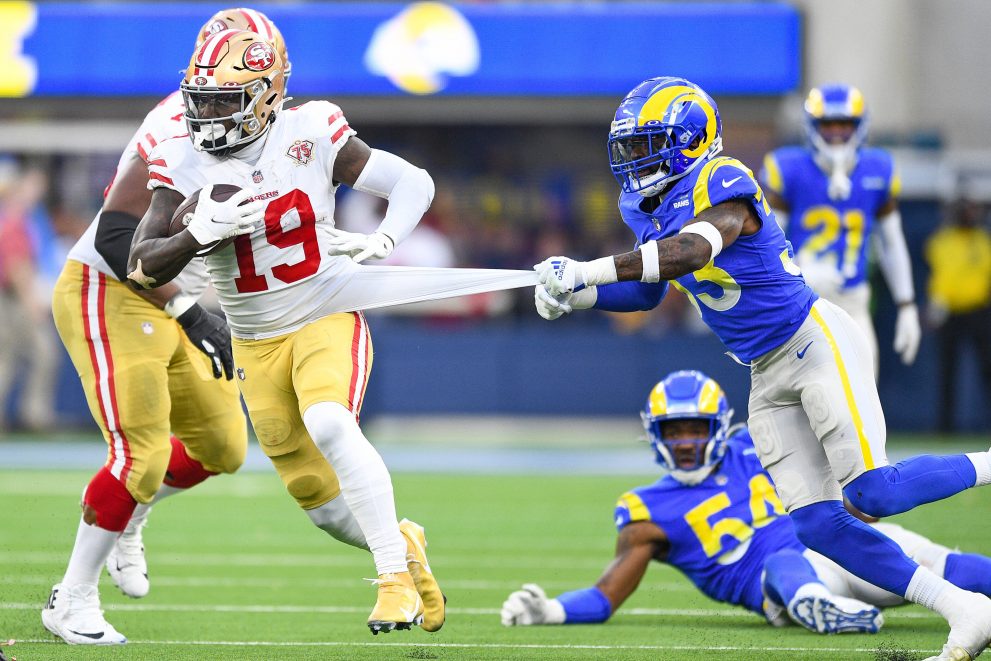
(722, 530)
(752, 295)
(825, 228)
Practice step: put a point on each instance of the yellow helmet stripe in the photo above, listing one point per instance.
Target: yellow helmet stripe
(659, 105)
(709, 397)
(658, 400)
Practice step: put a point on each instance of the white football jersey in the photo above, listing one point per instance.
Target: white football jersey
(280, 277)
(164, 121)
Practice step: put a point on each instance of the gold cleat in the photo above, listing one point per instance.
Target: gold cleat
(416, 560)
(398, 605)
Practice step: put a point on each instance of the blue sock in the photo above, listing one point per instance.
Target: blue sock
(588, 606)
(827, 528)
(784, 572)
(969, 571)
(894, 489)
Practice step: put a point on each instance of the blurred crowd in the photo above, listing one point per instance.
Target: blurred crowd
(506, 198)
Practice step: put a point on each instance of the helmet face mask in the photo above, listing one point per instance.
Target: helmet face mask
(663, 130)
(233, 87)
(687, 419)
(834, 112)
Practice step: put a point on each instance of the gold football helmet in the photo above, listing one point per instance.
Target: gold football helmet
(244, 18)
(234, 85)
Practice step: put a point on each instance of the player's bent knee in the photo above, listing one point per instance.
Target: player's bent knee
(874, 494)
(311, 483)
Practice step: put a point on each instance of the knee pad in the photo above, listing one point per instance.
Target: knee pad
(871, 492)
(309, 480)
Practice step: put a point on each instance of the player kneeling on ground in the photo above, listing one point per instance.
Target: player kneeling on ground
(716, 518)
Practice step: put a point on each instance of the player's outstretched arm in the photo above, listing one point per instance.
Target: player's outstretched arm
(409, 190)
(699, 241)
(638, 543)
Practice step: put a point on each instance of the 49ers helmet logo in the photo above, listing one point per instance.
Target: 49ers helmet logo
(259, 56)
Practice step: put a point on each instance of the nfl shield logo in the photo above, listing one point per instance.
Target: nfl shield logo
(240, 373)
(256, 176)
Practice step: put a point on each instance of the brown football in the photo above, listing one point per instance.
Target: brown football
(182, 215)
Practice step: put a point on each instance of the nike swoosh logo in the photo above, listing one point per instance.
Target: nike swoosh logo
(801, 354)
(727, 184)
(94, 636)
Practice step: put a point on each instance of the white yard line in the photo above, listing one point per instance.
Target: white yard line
(510, 646)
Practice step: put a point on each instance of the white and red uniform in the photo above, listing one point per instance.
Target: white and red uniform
(164, 121)
(279, 278)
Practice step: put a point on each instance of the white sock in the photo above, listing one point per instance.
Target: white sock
(88, 554)
(335, 518)
(365, 481)
(982, 464)
(141, 510)
(929, 590)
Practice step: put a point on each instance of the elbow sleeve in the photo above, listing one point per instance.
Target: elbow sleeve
(114, 232)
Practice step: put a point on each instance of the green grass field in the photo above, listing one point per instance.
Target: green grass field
(238, 572)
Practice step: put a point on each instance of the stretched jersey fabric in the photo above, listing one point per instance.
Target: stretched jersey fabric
(722, 530)
(163, 121)
(751, 295)
(823, 228)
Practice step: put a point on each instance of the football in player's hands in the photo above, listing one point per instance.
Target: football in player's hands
(184, 214)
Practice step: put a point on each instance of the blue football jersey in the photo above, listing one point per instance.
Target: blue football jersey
(825, 228)
(722, 530)
(751, 295)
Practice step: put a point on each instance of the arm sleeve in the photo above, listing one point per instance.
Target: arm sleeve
(630, 296)
(114, 232)
(588, 606)
(896, 265)
(409, 190)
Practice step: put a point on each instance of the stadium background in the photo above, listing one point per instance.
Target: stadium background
(514, 136)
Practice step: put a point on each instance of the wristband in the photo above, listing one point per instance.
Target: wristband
(708, 232)
(651, 262)
(179, 304)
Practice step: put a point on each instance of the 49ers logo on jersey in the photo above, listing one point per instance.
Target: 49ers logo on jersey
(259, 57)
(301, 151)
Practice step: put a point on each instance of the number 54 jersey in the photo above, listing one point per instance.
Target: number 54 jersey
(722, 530)
(278, 278)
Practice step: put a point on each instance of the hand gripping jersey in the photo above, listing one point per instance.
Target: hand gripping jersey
(164, 121)
(722, 530)
(278, 278)
(752, 295)
(825, 228)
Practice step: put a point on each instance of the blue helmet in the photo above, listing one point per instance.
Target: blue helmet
(663, 129)
(833, 102)
(688, 395)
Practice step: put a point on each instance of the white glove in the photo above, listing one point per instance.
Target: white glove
(215, 221)
(821, 274)
(531, 606)
(358, 246)
(552, 307)
(560, 275)
(908, 332)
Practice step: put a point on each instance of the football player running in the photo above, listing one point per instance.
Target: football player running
(703, 224)
(150, 362)
(716, 518)
(302, 368)
(829, 197)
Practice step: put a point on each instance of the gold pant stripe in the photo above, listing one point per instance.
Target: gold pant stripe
(95, 328)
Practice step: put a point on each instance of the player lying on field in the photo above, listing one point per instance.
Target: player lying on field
(716, 518)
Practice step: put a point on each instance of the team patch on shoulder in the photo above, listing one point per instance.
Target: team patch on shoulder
(300, 151)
